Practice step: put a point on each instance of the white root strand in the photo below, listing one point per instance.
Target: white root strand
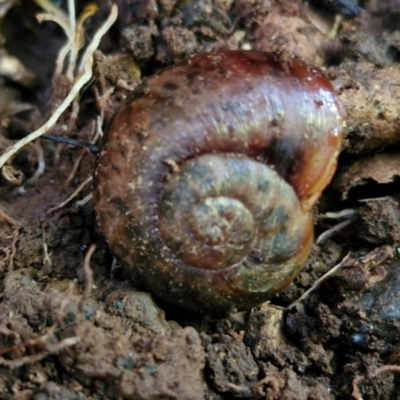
(78, 85)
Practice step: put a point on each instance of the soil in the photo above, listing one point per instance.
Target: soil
(72, 325)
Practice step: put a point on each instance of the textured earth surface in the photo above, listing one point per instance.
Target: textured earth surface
(72, 325)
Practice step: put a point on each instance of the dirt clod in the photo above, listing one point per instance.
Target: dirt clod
(66, 334)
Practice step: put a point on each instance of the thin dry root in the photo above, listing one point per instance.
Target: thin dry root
(88, 284)
(368, 262)
(42, 346)
(85, 200)
(80, 82)
(75, 167)
(319, 281)
(356, 394)
(7, 261)
(46, 255)
(73, 30)
(41, 165)
(331, 231)
(45, 345)
(47, 349)
(348, 214)
(8, 219)
(73, 195)
(95, 135)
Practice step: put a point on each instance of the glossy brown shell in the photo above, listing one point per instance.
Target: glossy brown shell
(236, 118)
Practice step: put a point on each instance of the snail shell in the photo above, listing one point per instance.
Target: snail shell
(208, 174)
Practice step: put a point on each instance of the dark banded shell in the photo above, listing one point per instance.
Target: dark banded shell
(208, 174)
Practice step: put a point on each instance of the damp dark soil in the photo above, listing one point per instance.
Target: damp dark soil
(72, 324)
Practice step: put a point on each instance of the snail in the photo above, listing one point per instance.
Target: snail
(208, 174)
